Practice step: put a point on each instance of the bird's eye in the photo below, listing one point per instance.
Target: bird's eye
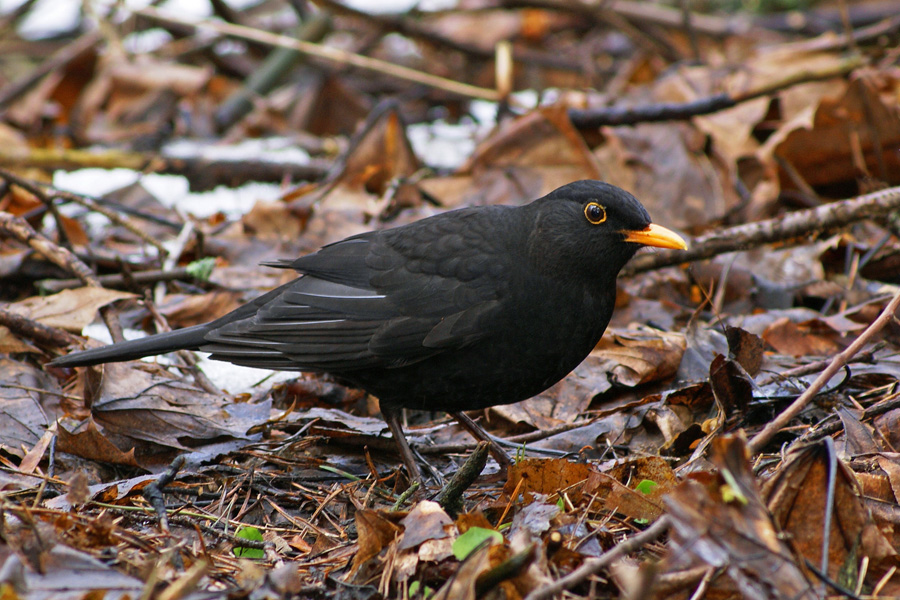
(594, 213)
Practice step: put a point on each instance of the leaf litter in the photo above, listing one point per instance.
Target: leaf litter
(648, 472)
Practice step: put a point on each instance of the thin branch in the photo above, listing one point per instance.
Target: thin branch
(863, 35)
(119, 280)
(414, 29)
(21, 230)
(10, 92)
(45, 335)
(201, 172)
(592, 118)
(644, 13)
(765, 436)
(328, 53)
(45, 193)
(592, 566)
(793, 226)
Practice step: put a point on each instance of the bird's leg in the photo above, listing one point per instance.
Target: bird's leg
(392, 417)
(479, 433)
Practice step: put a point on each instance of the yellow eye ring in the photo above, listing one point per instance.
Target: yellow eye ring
(594, 213)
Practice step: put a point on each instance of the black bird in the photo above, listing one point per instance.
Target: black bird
(460, 311)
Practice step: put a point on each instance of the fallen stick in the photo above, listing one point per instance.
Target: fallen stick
(763, 437)
(790, 227)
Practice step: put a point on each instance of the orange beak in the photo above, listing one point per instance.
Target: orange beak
(658, 236)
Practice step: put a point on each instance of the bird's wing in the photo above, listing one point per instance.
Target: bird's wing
(379, 299)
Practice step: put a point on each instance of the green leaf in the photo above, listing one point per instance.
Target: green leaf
(731, 491)
(473, 538)
(520, 454)
(414, 587)
(646, 486)
(249, 533)
(202, 269)
(337, 471)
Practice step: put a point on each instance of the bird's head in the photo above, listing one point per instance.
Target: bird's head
(593, 228)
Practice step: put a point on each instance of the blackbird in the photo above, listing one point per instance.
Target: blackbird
(460, 311)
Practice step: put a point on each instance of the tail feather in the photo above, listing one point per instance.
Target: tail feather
(189, 338)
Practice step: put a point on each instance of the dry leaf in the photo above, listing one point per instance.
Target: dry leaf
(72, 310)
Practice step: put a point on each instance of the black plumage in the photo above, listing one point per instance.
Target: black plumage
(467, 309)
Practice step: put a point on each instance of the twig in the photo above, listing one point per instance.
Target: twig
(763, 437)
(44, 335)
(19, 228)
(592, 566)
(154, 495)
(201, 172)
(476, 431)
(61, 57)
(862, 35)
(643, 12)
(824, 429)
(450, 497)
(592, 118)
(866, 356)
(328, 53)
(270, 73)
(793, 226)
(45, 193)
(59, 256)
(51, 286)
(413, 29)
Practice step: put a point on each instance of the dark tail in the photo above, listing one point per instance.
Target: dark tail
(189, 338)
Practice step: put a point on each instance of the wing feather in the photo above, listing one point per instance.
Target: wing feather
(380, 299)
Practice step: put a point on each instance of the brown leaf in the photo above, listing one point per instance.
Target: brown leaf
(800, 339)
(891, 466)
(91, 443)
(547, 476)
(621, 493)
(462, 585)
(26, 413)
(722, 523)
(65, 572)
(641, 356)
(652, 468)
(632, 503)
(272, 221)
(148, 409)
(797, 493)
(13, 344)
(665, 167)
(72, 310)
(426, 521)
(75, 233)
(375, 530)
(331, 107)
(380, 156)
(528, 157)
(185, 311)
(820, 143)
(888, 427)
(78, 489)
(113, 492)
(858, 437)
(730, 386)
(746, 348)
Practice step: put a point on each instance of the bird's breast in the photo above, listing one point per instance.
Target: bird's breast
(538, 339)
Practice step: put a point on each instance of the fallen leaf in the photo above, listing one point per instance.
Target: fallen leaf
(72, 310)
